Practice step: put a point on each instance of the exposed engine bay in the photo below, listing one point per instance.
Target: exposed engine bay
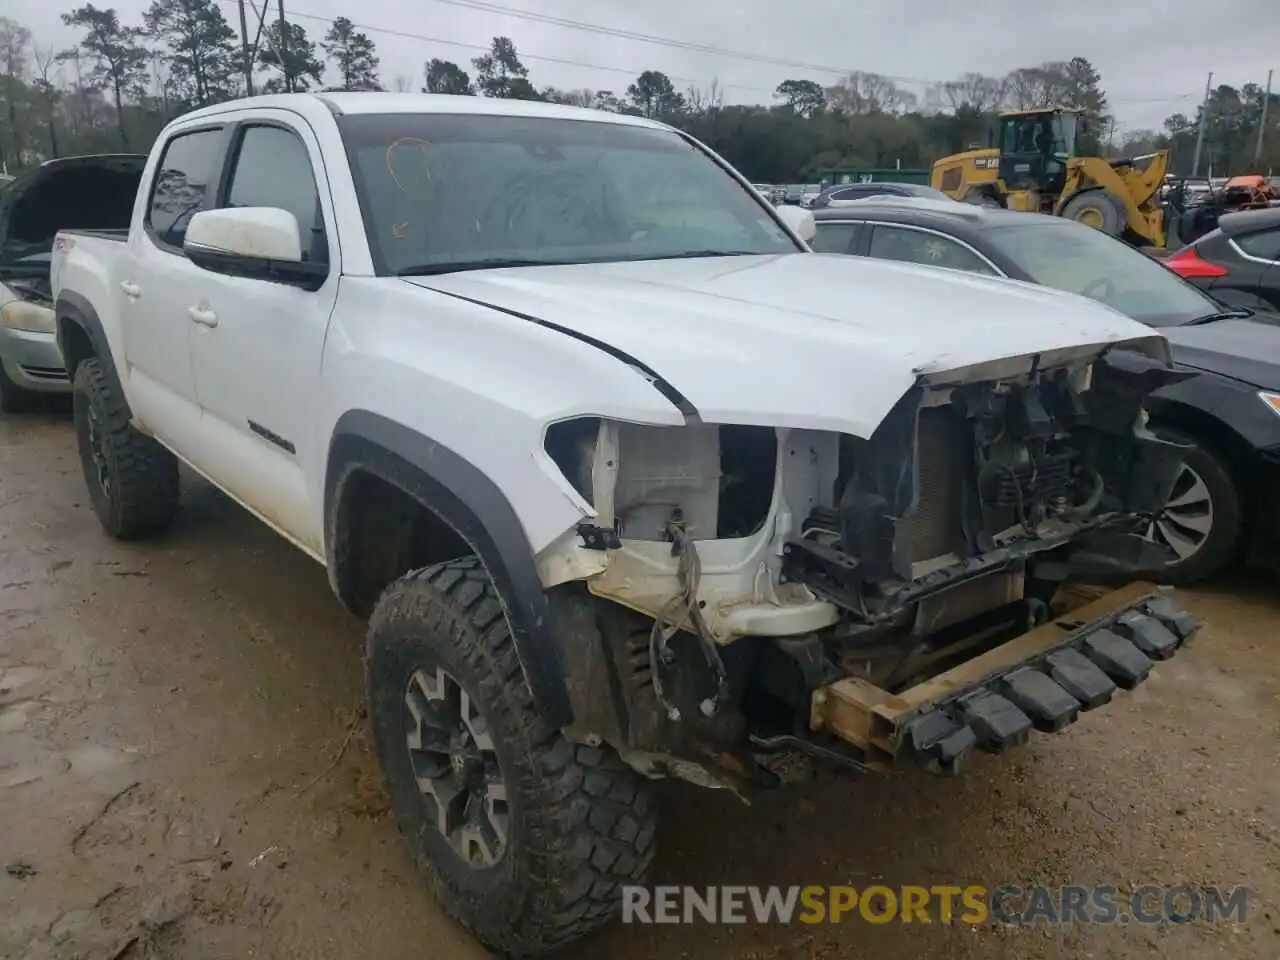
(766, 564)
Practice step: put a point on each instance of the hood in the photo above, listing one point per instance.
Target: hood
(85, 193)
(1245, 350)
(803, 340)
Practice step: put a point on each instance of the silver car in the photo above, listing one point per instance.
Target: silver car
(89, 192)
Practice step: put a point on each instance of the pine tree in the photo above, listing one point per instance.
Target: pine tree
(353, 54)
(120, 62)
(298, 68)
(201, 53)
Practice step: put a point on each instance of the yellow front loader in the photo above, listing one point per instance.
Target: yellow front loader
(1035, 169)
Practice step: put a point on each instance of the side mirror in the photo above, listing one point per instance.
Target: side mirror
(800, 221)
(261, 243)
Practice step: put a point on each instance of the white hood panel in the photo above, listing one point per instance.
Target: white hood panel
(808, 341)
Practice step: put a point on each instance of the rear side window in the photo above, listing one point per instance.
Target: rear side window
(833, 237)
(182, 186)
(272, 169)
(929, 249)
(1265, 244)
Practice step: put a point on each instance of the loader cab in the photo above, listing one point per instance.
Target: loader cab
(1035, 146)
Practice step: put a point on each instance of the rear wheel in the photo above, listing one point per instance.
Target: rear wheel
(525, 837)
(1099, 209)
(1203, 520)
(132, 480)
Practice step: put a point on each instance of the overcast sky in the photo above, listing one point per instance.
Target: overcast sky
(1153, 57)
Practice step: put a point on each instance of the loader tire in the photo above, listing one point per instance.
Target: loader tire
(534, 854)
(1100, 209)
(132, 479)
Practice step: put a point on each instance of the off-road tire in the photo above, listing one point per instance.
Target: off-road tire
(1108, 208)
(140, 497)
(1223, 544)
(13, 398)
(581, 822)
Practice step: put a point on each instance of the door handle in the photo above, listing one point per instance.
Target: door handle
(131, 290)
(206, 318)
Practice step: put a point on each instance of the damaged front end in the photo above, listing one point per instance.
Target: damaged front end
(1056, 471)
(791, 595)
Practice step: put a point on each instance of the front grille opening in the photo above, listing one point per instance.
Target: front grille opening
(52, 374)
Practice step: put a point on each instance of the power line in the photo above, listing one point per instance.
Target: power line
(489, 7)
(485, 6)
(407, 35)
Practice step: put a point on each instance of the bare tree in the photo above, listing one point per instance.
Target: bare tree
(861, 93)
(708, 100)
(14, 41)
(402, 84)
(46, 59)
(977, 91)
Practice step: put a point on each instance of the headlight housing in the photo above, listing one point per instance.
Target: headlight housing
(1272, 400)
(28, 317)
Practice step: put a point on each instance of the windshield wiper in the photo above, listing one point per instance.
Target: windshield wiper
(497, 263)
(1238, 314)
(696, 255)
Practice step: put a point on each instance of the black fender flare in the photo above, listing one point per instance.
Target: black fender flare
(469, 502)
(72, 309)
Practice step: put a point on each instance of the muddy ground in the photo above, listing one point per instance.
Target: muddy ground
(184, 773)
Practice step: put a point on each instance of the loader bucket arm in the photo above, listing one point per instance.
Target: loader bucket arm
(1144, 175)
(1133, 182)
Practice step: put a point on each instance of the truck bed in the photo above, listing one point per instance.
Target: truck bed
(120, 234)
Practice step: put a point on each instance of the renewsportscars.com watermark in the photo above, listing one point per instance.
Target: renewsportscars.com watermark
(1006, 904)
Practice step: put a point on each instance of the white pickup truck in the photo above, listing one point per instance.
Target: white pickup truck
(628, 482)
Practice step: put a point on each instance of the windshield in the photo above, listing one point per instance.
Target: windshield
(1079, 259)
(449, 192)
(1064, 134)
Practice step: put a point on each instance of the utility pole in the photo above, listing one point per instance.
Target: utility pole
(283, 52)
(244, 52)
(1262, 124)
(1204, 122)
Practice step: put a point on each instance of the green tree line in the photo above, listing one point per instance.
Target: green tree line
(122, 82)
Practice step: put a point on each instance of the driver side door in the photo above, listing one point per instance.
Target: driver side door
(256, 344)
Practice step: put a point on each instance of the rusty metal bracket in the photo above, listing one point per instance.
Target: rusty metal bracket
(1040, 680)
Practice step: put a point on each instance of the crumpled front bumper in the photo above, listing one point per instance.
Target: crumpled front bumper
(1042, 680)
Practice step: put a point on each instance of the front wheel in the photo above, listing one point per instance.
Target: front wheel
(525, 837)
(1203, 520)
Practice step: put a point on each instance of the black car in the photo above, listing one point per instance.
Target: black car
(1224, 505)
(861, 191)
(1238, 263)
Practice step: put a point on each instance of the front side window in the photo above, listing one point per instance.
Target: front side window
(445, 192)
(928, 249)
(833, 237)
(272, 169)
(182, 188)
(1070, 256)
